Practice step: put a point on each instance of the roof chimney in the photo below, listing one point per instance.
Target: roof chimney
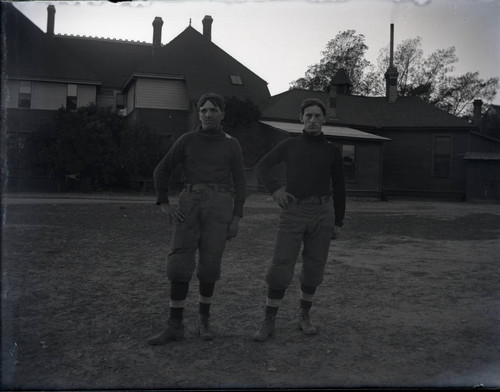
(51, 13)
(478, 104)
(157, 25)
(207, 27)
(331, 108)
(391, 75)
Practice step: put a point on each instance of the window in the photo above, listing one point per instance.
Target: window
(442, 156)
(71, 101)
(236, 79)
(349, 161)
(24, 100)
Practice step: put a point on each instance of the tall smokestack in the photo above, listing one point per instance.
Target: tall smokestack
(51, 18)
(391, 76)
(207, 27)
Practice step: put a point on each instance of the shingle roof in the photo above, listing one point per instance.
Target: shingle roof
(482, 156)
(30, 54)
(359, 111)
(111, 60)
(205, 67)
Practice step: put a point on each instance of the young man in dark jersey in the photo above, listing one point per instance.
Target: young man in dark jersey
(210, 207)
(312, 213)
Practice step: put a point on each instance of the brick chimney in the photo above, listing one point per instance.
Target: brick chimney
(476, 119)
(339, 85)
(207, 27)
(51, 18)
(157, 25)
(331, 107)
(391, 75)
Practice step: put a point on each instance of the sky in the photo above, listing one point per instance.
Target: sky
(280, 39)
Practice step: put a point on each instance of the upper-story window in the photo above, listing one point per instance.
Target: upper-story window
(71, 97)
(236, 79)
(349, 161)
(24, 100)
(442, 156)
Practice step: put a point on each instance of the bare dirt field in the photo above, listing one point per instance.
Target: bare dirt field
(411, 298)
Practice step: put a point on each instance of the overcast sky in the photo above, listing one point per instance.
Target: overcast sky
(279, 39)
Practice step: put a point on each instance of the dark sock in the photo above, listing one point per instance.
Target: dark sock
(207, 289)
(275, 294)
(204, 309)
(179, 291)
(305, 304)
(176, 313)
(308, 289)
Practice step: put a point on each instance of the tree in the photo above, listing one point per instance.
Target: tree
(239, 121)
(140, 150)
(429, 78)
(78, 144)
(95, 147)
(457, 93)
(346, 50)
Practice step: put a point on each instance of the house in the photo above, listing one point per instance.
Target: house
(362, 152)
(423, 147)
(483, 157)
(155, 84)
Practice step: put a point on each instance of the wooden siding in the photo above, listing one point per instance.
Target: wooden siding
(86, 95)
(483, 180)
(105, 98)
(368, 167)
(49, 96)
(408, 162)
(161, 94)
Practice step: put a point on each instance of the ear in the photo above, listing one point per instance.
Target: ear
(222, 114)
(301, 117)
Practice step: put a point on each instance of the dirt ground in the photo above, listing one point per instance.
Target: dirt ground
(410, 299)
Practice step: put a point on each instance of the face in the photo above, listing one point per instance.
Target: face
(210, 116)
(313, 119)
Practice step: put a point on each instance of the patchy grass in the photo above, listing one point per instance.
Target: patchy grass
(410, 298)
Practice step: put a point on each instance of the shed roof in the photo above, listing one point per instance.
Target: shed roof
(328, 130)
(482, 156)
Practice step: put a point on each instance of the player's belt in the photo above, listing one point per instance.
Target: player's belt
(315, 200)
(209, 187)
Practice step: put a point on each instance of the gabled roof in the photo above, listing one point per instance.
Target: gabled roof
(372, 112)
(341, 78)
(31, 55)
(205, 67)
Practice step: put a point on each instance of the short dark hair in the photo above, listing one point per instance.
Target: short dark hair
(312, 102)
(216, 99)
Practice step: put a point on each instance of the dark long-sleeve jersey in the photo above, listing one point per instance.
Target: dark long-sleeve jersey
(313, 168)
(207, 158)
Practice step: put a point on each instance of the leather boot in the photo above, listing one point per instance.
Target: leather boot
(267, 328)
(204, 327)
(304, 323)
(174, 331)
